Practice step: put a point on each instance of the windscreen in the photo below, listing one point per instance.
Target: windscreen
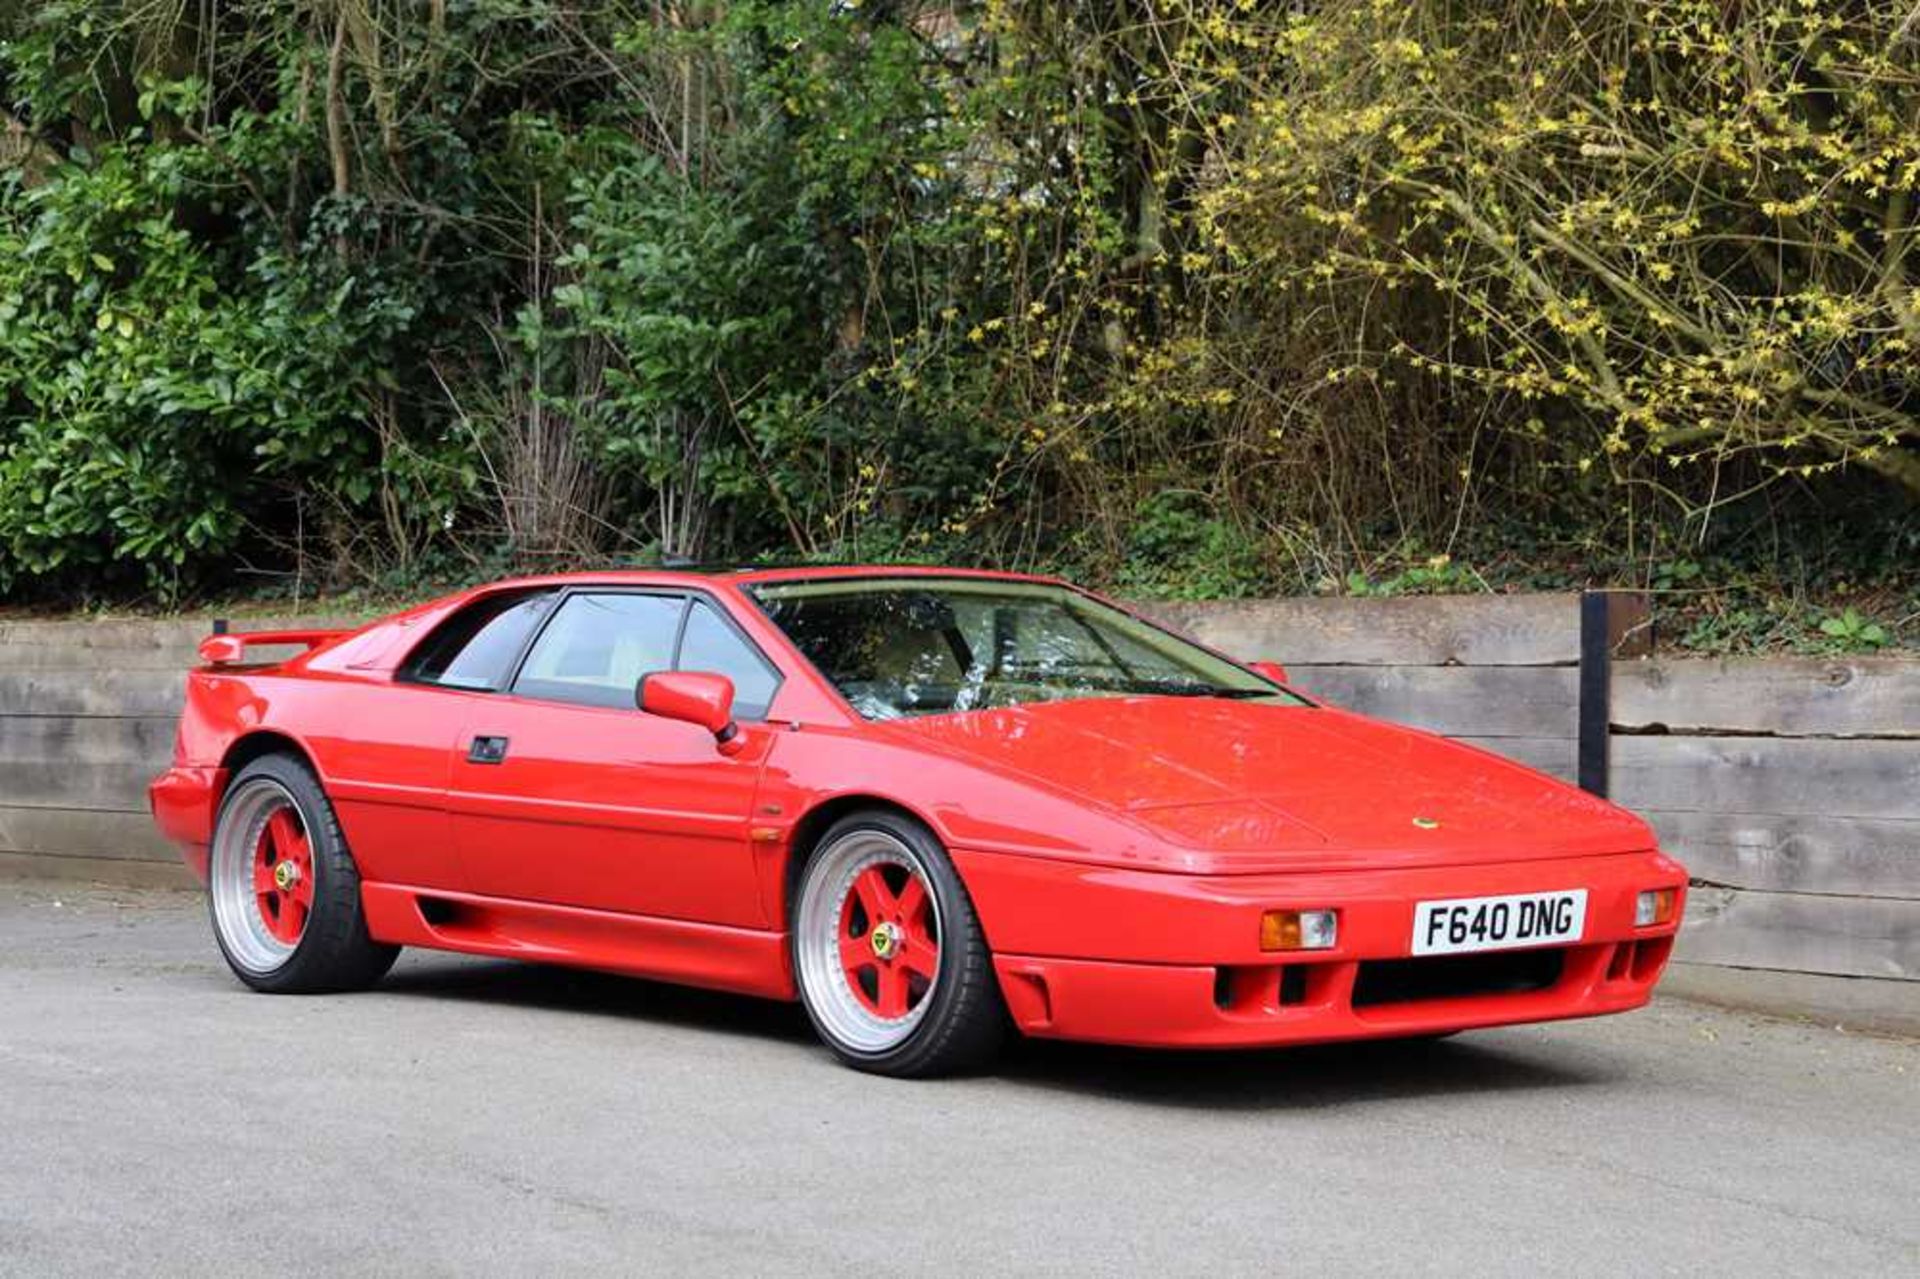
(924, 646)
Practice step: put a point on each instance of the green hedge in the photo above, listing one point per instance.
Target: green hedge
(1199, 297)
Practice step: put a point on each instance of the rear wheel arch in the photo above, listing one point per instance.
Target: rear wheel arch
(259, 743)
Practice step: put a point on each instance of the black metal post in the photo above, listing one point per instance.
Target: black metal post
(219, 626)
(1596, 688)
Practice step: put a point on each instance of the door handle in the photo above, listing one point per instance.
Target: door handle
(487, 750)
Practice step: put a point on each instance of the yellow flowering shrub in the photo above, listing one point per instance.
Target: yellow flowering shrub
(1678, 234)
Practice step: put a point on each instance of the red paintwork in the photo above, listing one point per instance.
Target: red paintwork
(184, 800)
(750, 961)
(1119, 851)
(693, 697)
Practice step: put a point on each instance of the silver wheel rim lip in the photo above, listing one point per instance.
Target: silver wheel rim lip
(236, 914)
(823, 980)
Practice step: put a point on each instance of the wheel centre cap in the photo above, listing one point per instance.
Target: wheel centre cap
(286, 875)
(885, 939)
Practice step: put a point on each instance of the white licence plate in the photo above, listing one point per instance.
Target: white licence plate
(1498, 923)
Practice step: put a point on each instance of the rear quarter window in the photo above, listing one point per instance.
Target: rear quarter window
(477, 646)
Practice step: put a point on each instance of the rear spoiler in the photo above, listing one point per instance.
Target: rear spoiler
(230, 650)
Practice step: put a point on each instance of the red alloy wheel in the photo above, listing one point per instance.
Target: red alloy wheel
(283, 875)
(889, 939)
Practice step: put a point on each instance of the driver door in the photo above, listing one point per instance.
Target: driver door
(563, 792)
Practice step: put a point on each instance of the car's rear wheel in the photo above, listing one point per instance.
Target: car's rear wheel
(892, 965)
(283, 889)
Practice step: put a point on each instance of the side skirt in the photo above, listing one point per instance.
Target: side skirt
(743, 960)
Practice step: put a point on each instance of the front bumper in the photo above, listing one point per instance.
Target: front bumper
(1170, 960)
(184, 801)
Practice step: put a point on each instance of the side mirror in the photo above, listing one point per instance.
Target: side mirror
(693, 697)
(1270, 670)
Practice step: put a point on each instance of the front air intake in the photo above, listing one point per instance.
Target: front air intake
(1412, 981)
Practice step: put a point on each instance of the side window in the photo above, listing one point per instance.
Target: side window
(712, 645)
(598, 646)
(475, 647)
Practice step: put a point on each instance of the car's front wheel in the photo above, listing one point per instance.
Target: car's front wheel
(284, 890)
(892, 965)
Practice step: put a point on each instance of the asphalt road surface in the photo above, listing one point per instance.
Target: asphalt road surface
(473, 1117)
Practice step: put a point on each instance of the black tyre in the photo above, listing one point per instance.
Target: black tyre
(892, 965)
(283, 890)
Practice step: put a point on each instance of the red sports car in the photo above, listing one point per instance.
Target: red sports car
(932, 806)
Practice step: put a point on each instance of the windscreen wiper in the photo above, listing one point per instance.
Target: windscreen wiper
(1206, 690)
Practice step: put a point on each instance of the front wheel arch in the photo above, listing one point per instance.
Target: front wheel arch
(812, 827)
